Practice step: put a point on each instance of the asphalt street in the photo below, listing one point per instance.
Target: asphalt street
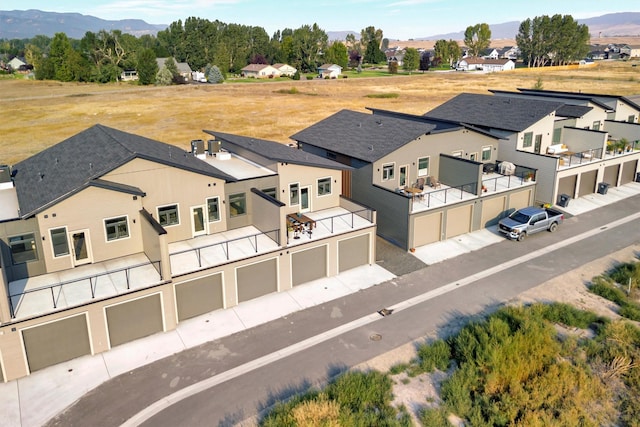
(475, 283)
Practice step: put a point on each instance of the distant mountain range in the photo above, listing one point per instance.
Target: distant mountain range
(23, 24)
(609, 25)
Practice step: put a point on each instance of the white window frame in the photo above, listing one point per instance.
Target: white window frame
(485, 149)
(473, 156)
(457, 153)
(322, 185)
(423, 172)
(208, 211)
(294, 194)
(177, 206)
(106, 234)
(66, 237)
(527, 140)
(388, 171)
(244, 198)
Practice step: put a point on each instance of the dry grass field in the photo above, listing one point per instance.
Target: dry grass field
(38, 114)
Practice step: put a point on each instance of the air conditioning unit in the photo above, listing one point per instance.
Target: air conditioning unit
(213, 146)
(197, 146)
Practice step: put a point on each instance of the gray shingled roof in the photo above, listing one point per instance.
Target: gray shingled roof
(276, 151)
(575, 111)
(591, 97)
(77, 162)
(494, 112)
(368, 137)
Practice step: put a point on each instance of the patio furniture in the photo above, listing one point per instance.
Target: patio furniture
(433, 182)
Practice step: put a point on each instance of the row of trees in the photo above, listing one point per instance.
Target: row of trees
(555, 40)
(204, 44)
(102, 56)
(543, 41)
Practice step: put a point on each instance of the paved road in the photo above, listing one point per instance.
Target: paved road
(486, 279)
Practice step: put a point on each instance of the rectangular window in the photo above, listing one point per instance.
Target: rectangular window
(423, 166)
(473, 156)
(237, 204)
(23, 248)
(596, 125)
(528, 140)
(457, 153)
(324, 186)
(486, 153)
(213, 209)
(117, 228)
(271, 192)
(631, 119)
(168, 215)
(294, 194)
(557, 134)
(59, 242)
(387, 171)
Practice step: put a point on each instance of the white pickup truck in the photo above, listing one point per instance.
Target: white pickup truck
(530, 220)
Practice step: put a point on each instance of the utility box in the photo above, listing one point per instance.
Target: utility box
(563, 200)
(603, 187)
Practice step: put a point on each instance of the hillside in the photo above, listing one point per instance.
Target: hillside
(23, 24)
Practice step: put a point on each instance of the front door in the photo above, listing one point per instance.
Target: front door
(403, 177)
(198, 223)
(81, 247)
(305, 196)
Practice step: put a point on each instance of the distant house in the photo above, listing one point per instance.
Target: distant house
(285, 69)
(16, 63)
(473, 63)
(260, 71)
(129, 75)
(329, 71)
(630, 51)
(183, 68)
(509, 52)
(491, 54)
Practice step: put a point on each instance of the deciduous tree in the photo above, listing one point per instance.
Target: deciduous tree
(477, 38)
(411, 60)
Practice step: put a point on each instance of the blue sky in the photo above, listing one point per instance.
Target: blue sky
(400, 19)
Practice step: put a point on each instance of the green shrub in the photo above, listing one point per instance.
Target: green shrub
(434, 417)
(623, 272)
(569, 315)
(434, 356)
(630, 311)
(604, 288)
(382, 95)
(357, 390)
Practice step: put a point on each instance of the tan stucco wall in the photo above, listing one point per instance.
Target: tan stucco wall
(543, 127)
(87, 210)
(431, 146)
(308, 176)
(166, 185)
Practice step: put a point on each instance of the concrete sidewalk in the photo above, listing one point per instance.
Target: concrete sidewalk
(33, 400)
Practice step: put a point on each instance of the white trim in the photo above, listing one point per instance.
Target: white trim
(206, 204)
(393, 172)
(24, 348)
(104, 228)
(87, 239)
(330, 178)
(420, 175)
(488, 148)
(177, 205)
(66, 235)
(289, 195)
(326, 266)
(205, 223)
(175, 296)
(406, 175)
